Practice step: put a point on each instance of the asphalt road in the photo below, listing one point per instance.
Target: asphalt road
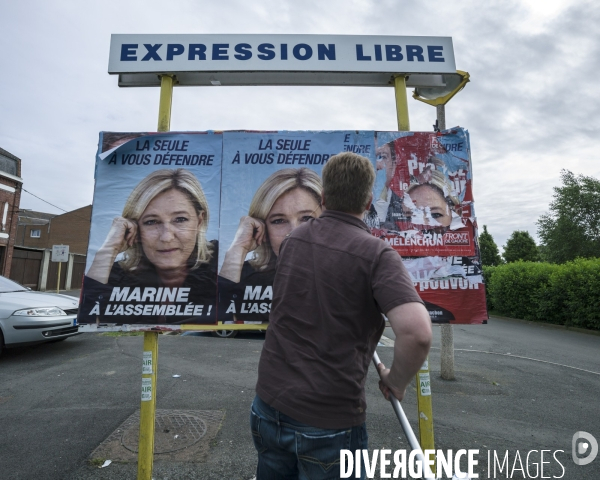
(58, 402)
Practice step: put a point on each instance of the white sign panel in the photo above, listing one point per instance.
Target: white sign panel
(425, 384)
(147, 363)
(277, 59)
(146, 389)
(60, 253)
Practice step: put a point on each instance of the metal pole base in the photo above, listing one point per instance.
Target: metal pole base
(447, 356)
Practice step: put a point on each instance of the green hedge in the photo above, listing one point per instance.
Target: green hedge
(567, 294)
(488, 271)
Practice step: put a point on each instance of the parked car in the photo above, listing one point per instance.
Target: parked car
(28, 317)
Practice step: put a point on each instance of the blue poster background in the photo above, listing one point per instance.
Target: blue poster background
(231, 167)
(139, 295)
(263, 153)
(114, 181)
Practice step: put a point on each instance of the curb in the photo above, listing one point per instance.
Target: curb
(550, 325)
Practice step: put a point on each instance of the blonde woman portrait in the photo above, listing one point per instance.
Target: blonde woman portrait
(285, 200)
(159, 240)
(428, 203)
(431, 203)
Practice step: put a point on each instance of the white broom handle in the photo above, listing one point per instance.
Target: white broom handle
(408, 431)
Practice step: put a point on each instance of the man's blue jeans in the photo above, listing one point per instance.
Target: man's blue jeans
(288, 449)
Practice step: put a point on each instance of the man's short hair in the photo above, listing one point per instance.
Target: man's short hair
(348, 181)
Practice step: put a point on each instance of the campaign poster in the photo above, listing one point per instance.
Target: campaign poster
(452, 288)
(423, 201)
(271, 183)
(153, 247)
(423, 208)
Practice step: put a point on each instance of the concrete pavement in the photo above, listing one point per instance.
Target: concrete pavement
(520, 387)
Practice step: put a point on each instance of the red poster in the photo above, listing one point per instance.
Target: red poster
(425, 206)
(451, 287)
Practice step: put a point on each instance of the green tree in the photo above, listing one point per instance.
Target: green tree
(521, 246)
(572, 227)
(488, 248)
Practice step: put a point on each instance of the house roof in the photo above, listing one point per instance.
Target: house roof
(9, 155)
(33, 221)
(32, 217)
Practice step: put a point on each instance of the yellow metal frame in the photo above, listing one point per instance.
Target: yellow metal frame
(446, 98)
(225, 326)
(423, 400)
(148, 406)
(166, 100)
(148, 410)
(401, 103)
(425, 409)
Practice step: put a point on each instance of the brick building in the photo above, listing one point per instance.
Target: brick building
(42, 230)
(33, 229)
(27, 236)
(10, 197)
(37, 232)
(72, 229)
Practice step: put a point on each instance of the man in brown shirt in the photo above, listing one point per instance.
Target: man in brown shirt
(334, 281)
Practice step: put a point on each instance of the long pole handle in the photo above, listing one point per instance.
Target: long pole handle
(408, 431)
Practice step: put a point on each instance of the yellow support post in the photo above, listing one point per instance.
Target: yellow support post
(223, 326)
(166, 100)
(401, 103)
(425, 410)
(150, 354)
(148, 406)
(423, 380)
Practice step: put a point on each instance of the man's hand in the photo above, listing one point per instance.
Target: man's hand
(385, 386)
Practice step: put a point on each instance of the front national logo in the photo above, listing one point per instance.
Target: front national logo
(456, 238)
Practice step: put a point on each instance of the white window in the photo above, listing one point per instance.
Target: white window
(36, 233)
(4, 216)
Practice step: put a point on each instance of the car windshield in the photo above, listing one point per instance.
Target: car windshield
(7, 285)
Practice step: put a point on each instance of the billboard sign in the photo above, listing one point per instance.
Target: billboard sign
(270, 184)
(264, 59)
(186, 227)
(425, 204)
(153, 245)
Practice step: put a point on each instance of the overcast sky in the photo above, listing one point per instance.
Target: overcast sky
(532, 107)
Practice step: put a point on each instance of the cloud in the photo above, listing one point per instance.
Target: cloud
(531, 107)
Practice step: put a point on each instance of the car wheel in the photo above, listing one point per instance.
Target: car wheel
(1, 342)
(224, 333)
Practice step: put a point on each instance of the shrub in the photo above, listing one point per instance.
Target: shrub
(515, 288)
(488, 271)
(567, 294)
(572, 296)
